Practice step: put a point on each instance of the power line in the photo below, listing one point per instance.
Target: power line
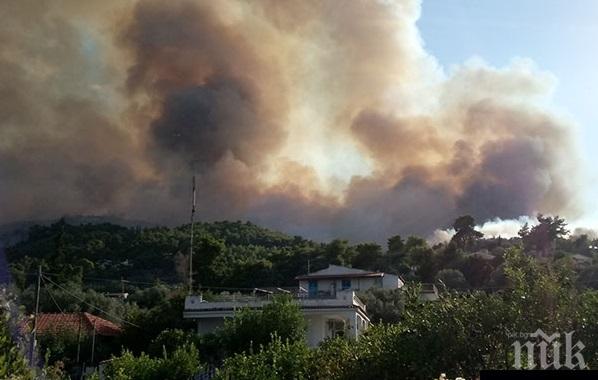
(51, 296)
(90, 305)
(179, 284)
(118, 280)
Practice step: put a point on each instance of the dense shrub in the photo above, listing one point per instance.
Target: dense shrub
(277, 361)
(254, 328)
(12, 361)
(180, 364)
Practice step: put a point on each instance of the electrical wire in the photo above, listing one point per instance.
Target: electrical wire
(90, 305)
(51, 296)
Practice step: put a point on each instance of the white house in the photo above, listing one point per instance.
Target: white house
(342, 314)
(337, 278)
(326, 297)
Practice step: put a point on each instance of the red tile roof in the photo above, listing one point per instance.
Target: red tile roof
(72, 322)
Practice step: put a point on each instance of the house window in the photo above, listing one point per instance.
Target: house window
(336, 328)
(346, 284)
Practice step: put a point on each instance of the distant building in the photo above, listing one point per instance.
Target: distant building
(337, 278)
(482, 254)
(428, 292)
(581, 261)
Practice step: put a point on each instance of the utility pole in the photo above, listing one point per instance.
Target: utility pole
(34, 330)
(79, 338)
(93, 342)
(191, 240)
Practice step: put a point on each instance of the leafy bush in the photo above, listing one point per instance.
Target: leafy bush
(451, 279)
(277, 361)
(12, 361)
(171, 339)
(384, 305)
(253, 328)
(181, 364)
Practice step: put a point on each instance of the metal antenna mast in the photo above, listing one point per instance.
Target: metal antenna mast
(191, 240)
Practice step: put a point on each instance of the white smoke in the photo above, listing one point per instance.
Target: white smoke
(507, 228)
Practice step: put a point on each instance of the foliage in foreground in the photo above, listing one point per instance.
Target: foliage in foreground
(174, 353)
(12, 360)
(181, 364)
(277, 360)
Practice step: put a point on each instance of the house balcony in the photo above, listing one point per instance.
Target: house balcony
(224, 304)
(327, 315)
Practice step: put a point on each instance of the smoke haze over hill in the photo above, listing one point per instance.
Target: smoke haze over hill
(318, 118)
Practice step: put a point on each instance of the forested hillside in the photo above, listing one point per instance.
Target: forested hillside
(243, 255)
(227, 253)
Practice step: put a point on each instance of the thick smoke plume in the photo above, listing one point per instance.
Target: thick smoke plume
(323, 118)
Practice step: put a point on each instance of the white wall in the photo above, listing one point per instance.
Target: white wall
(316, 329)
(317, 324)
(208, 325)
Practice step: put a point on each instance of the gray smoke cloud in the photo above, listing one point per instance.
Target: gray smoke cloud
(327, 119)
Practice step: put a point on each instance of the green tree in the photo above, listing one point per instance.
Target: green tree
(334, 360)
(369, 256)
(171, 339)
(415, 253)
(249, 329)
(146, 324)
(395, 245)
(421, 258)
(451, 279)
(384, 305)
(12, 361)
(181, 364)
(477, 270)
(465, 233)
(339, 252)
(278, 360)
(206, 249)
(541, 238)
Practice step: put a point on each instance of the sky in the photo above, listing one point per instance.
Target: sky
(558, 35)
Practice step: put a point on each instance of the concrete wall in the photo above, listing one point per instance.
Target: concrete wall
(391, 281)
(318, 327)
(208, 325)
(345, 306)
(317, 324)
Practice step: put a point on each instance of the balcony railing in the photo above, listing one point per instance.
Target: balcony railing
(257, 299)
